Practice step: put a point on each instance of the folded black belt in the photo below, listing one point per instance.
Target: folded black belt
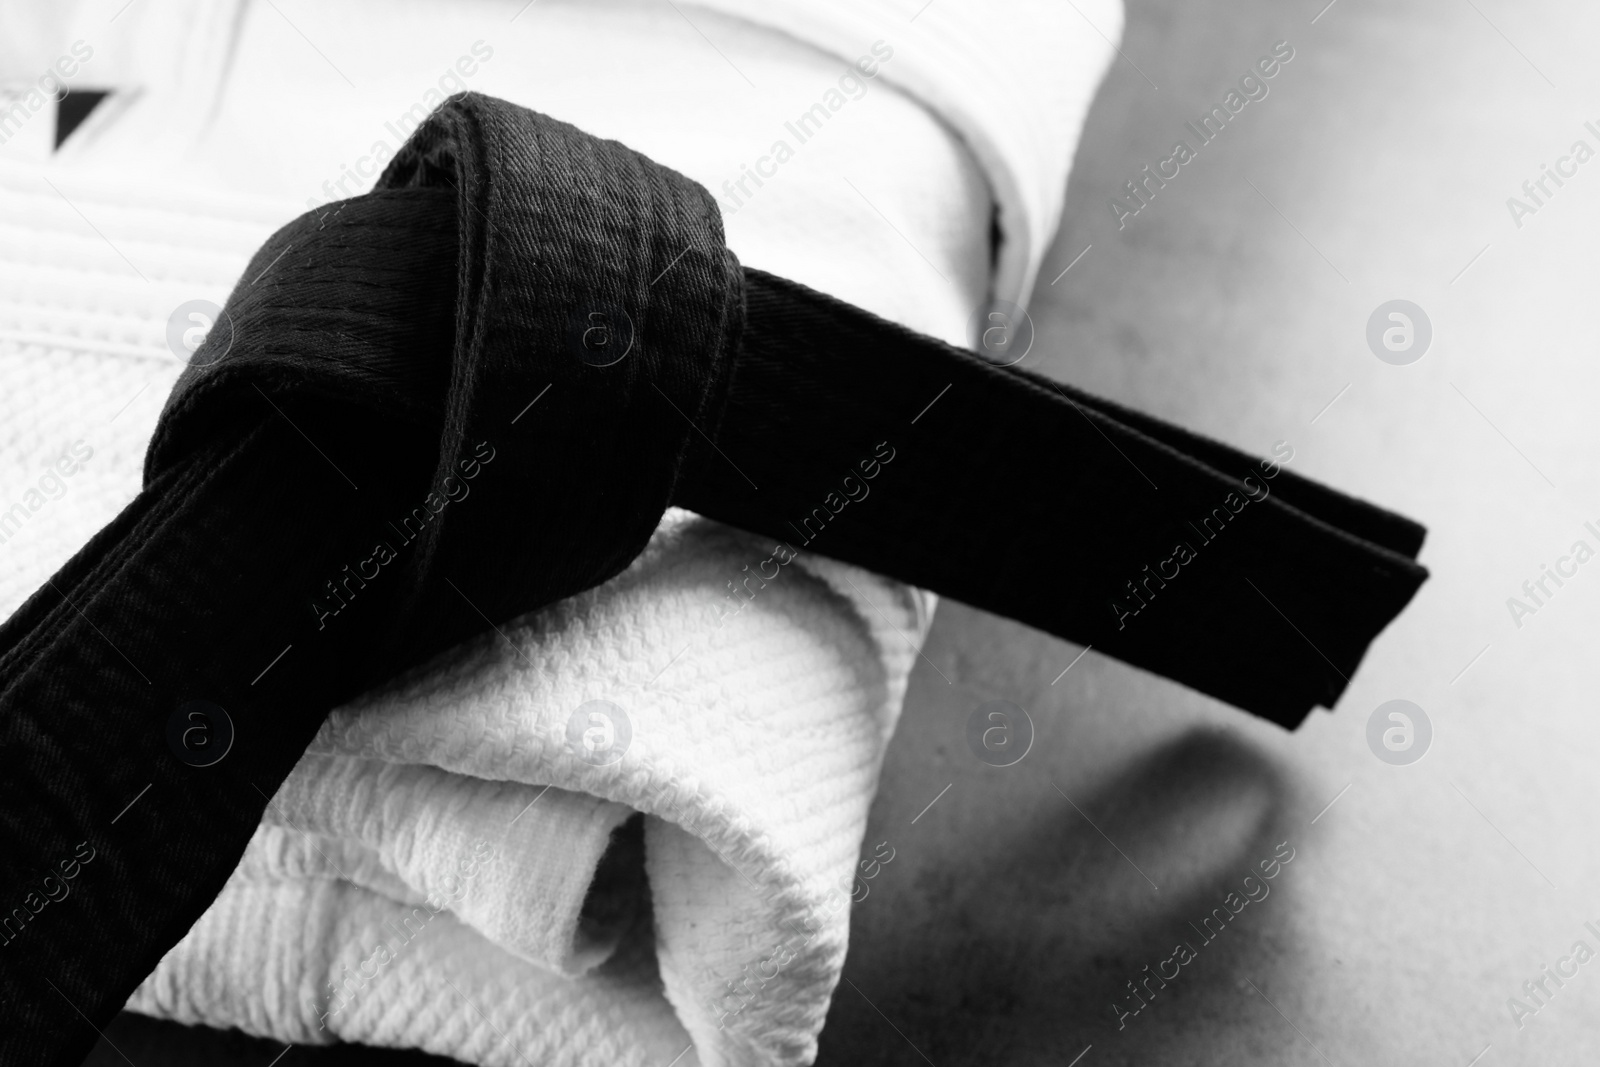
(474, 392)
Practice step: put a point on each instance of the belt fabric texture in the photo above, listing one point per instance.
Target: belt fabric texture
(557, 320)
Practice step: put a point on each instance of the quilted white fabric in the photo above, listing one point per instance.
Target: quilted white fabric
(755, 746)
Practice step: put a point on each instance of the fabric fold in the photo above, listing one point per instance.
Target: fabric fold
(1007, 92)
(753, 749)
(408, 830)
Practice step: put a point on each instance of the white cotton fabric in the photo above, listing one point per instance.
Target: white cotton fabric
(447, 819)
(755, 746)
(1013, 79)
(409, 831)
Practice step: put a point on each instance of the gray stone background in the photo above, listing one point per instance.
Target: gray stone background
(1236, 303)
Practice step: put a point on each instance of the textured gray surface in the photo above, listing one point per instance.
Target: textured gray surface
(1381, 160)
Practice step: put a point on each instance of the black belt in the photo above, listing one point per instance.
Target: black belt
(473, 392)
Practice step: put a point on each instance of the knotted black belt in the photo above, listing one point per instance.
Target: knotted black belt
(335, 498)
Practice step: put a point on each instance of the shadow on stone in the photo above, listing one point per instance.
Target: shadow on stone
(1040, 926)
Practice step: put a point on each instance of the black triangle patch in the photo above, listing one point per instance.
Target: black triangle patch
(72, 108)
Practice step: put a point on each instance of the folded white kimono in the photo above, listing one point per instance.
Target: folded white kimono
(421, 878)
(457, 864)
